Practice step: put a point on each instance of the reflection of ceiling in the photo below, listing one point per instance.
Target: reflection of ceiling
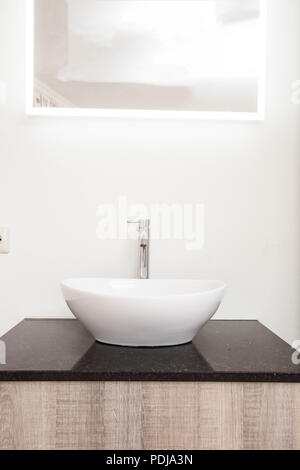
(51, 35)
(167, 43)
(235, 11)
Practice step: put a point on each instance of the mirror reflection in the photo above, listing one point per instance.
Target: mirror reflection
(190, 55)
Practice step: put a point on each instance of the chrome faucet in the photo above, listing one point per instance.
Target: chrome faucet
(144, 238)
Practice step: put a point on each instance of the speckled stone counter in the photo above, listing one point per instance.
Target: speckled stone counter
(225, 351)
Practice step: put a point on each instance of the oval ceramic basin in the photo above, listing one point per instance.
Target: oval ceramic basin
(134, 312)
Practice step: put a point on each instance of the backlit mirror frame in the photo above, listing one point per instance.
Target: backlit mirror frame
(148, 114)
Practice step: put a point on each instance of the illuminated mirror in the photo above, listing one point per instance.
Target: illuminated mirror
(173, 58)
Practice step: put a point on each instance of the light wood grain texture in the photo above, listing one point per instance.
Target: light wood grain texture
(122, 415)
(149, 415)
(27, 415)
(268, 416)
(192, 416)
(79, 415)
(296, 415)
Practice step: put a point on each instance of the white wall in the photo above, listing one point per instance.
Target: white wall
(55, 172)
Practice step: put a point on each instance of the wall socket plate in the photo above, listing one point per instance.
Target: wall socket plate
(4, 240)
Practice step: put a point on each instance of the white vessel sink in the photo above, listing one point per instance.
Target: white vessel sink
(135, 312)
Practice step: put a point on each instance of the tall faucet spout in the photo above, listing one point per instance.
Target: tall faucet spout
(144, 237)
(144, 259)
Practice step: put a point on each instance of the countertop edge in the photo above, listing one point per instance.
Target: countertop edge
(61, 376)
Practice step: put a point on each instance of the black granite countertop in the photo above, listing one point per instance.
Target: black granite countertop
(62, 350)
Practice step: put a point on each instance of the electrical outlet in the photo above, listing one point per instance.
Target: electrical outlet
(4, 240)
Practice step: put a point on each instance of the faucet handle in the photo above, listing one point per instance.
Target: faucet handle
(133, 221)
(143, 224)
